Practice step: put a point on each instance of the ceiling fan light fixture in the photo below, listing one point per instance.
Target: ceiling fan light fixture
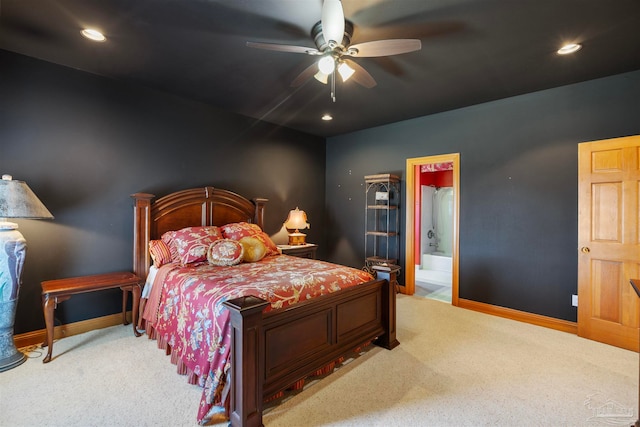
(321, 77)
(569, 48)
(332, 21)
(93, 34)
(327, 117)
(332, 36)
(327, 64)
(345, 71)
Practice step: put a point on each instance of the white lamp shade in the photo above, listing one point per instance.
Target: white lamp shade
(345, 71)
(322, 77)
(297, 220)
(327, 64)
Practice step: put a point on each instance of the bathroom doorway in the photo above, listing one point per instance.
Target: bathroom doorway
(433, 194)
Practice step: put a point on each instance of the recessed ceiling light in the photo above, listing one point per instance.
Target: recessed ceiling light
(569, 48)
(94, 35)
(327, 117)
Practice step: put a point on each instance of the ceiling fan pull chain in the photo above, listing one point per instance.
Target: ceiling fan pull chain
(333, 85)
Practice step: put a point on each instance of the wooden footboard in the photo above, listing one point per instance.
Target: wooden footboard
(271, 351)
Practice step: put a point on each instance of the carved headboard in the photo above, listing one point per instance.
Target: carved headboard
(192, 207)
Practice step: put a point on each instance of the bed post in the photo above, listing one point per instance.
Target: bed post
(141, 232)
(247, 361)
(259, 216)
(388, 340)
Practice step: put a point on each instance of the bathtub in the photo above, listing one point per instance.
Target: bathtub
(436, 268)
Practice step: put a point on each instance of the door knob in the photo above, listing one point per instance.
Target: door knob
(585, 250)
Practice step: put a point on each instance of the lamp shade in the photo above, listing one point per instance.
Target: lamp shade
(18, 201)
(297, 220)
(327, 64)
(345, 71)
(322, 77)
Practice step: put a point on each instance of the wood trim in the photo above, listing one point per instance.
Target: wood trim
(521, 316)
(29, 339)
(409, 256)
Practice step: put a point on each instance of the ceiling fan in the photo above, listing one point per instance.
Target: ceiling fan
(332, 37)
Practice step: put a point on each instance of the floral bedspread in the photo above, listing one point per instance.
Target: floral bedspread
(193, 321)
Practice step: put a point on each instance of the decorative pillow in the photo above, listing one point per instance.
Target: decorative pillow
(254, 249)
(225, 252)
(167, 238)
(238, 230)
(160, 252)
(192, 243)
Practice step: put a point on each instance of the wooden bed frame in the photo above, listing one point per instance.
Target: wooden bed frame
(270, 351)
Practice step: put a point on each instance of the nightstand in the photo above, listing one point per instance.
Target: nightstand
(303, 251)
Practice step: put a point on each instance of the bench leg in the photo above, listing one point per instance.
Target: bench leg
(125, 295)
(48, 306)
(135, 307)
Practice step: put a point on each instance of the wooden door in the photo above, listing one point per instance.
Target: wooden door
(608, 240)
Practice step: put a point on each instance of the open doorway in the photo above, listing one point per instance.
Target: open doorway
(431, 255)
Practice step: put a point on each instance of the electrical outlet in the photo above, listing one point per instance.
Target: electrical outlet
(574, 300)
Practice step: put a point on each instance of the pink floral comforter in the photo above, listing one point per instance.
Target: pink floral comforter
(188, 315)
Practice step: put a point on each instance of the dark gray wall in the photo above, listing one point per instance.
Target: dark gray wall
(84, 143)
(518, 179)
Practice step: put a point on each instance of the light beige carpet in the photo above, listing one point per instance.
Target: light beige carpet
(454, 367)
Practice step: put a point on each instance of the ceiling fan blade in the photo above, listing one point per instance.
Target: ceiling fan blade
(361, 76)
(333, 21)
(305, 75)
(284, 48)
(385, 47)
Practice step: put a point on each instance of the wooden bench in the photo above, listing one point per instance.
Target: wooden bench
(56, 291)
